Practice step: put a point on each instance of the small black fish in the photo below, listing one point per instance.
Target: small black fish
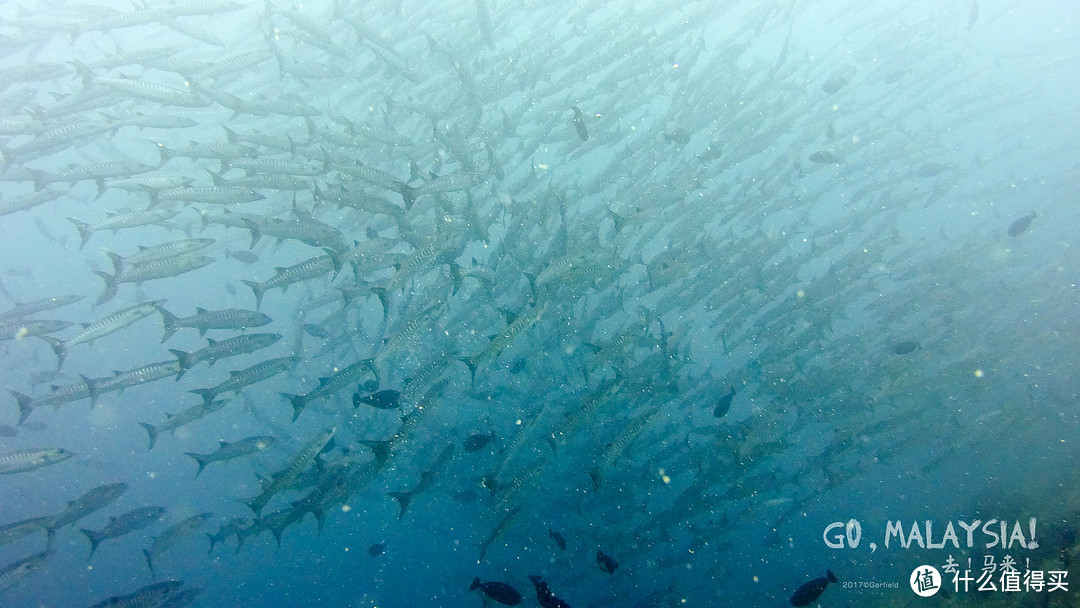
(466, 496)
(579, 124)
(8, 431)
(1021, 225)
(383, 400)
(315, 331)
(930, 169)
(824, 157)
(808, 592)
(834, 84)
(724, 404)
(246, 257)
(544, 595)
(712, 152)
(905, 347)
(558, 538)
(376, 550)
(500, 592)
(677, 136)
(606, 562)
(477, 441)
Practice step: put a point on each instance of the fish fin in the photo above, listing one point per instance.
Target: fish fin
(201, 459)
(150, 563)
(152, 431)
(95, 540)
(58, 347)
(110, 287)
(596, 476)
(93, 390)
(85, 230)
(184, 359)
(207, 394)
(472, 363)
(297, 402)
(26, 405)
(256, 232)
(168, 320)
(258, 289)
(403, 498)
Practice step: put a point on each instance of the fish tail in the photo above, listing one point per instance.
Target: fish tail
(95, 540)
(116, 259)
(532, 284)
(829, 575)
(110, 287)
(150, 563)
(335, 259)
(297, 402)
(201, 459)
(475, 584)
(94, 394)
(490, 482)
(41, 178)
(213, 541)
(169, 321)
(381, 449)
(408, 195)
(50, 538)
(84, 230)
(472, 362)
(164, 153)
(185, 361)
(58, 348)
(596, 476)
(550, 438)
(403, 498)
(152, 431)
(384, 299)
(81, 69)
(26, 405)
(256, 232)
(207, 394)
(258, 289)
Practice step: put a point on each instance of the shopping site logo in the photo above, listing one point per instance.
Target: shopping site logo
(925, 581)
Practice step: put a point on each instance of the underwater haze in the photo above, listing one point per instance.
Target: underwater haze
(539, 303)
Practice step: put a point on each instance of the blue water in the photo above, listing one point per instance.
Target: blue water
(749, 265)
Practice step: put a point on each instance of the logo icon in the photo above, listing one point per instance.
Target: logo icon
(925, 581)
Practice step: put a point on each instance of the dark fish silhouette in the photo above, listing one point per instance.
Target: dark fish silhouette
(606, 562)
(808, 592)
(1021, 225)
(376, 550)
(579, 123)
(824, 157)
(905, 347)
(724, 404)
(544, 595)
(383, 400)
(677, 136)
(477, 441)
(500, 592)
(558, 538)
